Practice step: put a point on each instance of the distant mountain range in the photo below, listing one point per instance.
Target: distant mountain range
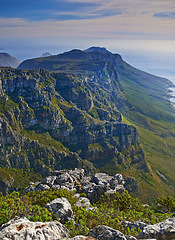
(6, 60)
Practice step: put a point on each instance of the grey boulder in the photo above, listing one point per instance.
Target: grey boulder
(106, 233)
(61, 209)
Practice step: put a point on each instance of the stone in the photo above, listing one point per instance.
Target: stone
(84, 202)
(101, 183)
(101, 178)
(77, 174)
(23, 229)
(61, 209)
(106, 233)
(80, 237)
(161, 231)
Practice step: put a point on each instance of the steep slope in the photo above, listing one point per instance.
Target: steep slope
(6, 60)
(142, 99)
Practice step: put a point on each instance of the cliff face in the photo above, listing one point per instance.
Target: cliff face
(50, 120)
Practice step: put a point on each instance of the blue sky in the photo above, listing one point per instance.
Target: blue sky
(30, 27)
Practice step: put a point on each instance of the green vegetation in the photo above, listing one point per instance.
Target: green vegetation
(45, 139)
(110, 210)
(95, 146)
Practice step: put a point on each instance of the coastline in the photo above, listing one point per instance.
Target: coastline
(171, 90)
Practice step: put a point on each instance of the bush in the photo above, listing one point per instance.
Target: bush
(110, 210)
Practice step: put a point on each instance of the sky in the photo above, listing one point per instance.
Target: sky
(142, 31)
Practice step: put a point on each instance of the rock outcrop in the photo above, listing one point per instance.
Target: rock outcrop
(101, 183)
(94, 186)
(23, 229)
(63, 179)
(161, 231)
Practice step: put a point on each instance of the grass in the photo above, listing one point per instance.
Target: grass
(46, 140)
(157, 139)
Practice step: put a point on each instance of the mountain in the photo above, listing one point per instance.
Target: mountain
(137, 84)
(46, 54)
(97, 49)
(6, 60)
(87, 109)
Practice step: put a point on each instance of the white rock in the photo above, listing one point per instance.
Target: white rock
(84, 202)
(23, 229)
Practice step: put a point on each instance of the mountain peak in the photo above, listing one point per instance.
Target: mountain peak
(74, 54)
(46, 54)
(97, 49)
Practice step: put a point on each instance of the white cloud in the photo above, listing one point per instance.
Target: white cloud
(101, 20)
(127, 6)
(126, 27)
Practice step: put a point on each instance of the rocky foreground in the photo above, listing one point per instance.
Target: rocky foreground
(20, 228)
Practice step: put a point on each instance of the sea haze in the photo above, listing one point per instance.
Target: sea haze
(159, 64)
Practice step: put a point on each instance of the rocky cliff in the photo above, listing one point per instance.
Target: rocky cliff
(50, 120)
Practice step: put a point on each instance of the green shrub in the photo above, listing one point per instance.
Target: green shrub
(110, 210)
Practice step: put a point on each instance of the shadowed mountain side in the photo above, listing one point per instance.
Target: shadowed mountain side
(6, 60)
